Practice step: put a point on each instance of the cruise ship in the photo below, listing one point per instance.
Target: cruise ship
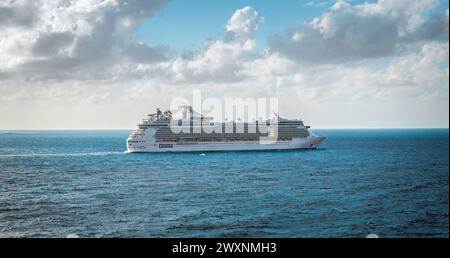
(160, 132)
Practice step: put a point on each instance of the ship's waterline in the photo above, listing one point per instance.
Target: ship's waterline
(196, 132)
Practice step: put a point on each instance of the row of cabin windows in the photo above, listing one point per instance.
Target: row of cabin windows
(136, 141)
(210, 139)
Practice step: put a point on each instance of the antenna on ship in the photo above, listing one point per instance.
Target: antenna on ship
(158, 113)
(277, 116)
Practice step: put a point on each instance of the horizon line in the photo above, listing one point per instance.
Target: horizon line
(320, 128)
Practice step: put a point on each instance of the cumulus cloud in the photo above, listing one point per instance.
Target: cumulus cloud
(63, 39)
(142, 53)
(384, 62)
(17, 15)
(244, 23)
(219, 60)
(353, 32)
(222, 60)
(86, 40)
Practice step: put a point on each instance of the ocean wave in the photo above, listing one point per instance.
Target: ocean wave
(103, 153)
(15, 133)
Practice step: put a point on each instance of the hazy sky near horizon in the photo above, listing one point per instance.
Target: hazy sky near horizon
(105, 64)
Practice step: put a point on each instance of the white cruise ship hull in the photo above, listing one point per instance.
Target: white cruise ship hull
(310, 142)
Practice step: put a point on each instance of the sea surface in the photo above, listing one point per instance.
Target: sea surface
(393, 183)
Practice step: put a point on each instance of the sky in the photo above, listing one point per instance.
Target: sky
(105, 64)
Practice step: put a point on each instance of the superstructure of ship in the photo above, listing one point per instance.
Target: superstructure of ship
(160, 132)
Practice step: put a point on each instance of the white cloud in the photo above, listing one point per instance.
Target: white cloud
(316, 3)
(244, 23)
(374, 64)
(354, 32)
(62, 39)
(219, 60)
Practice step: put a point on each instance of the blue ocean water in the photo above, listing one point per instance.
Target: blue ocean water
(393, 183)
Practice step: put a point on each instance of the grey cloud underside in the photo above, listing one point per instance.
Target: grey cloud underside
(69, 54)
(94, 59)
(49, 44)
(106, 53)
(17, 16)
(142, 53)
(355, 37)
(436, 28)
(351, 41)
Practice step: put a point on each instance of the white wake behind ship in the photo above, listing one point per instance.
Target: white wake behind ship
(160, 132)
